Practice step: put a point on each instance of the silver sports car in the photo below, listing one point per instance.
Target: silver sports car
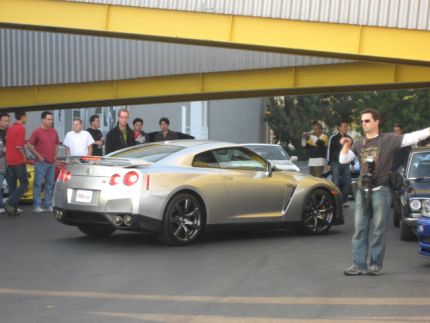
(180, 189)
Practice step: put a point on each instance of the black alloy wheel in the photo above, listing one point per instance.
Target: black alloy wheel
(183, 220)
(96, 231)
(318, 213)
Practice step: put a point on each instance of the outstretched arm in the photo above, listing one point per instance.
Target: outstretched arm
(415, 137)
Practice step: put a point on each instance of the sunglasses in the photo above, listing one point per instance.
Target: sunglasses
(365, 121)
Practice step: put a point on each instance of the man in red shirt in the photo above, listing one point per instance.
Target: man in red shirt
(43, 144)
(16, 160)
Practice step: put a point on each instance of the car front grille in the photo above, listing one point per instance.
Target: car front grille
(426, 240)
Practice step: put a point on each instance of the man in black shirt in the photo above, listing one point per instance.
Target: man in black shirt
(96, 134)
(165, 133)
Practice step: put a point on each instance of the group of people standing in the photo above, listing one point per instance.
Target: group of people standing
(43, 144)
(90, 142)
(376, 152)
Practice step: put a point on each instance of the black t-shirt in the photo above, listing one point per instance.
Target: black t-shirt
(381, 150)
(97, 135)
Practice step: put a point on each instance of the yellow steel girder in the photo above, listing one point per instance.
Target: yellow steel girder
(222, 85)
(268, 34)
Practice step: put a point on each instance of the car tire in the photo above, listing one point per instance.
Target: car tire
(406, 233)
(96, 231)
(397, 207)
(183, 220)
(318, 213)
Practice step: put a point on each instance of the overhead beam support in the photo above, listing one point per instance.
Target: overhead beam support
(253, 83)
(392, 45)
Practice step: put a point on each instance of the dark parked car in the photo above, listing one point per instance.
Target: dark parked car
(415, 191)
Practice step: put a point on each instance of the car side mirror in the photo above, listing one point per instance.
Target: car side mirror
(294, 159)
(269, 170)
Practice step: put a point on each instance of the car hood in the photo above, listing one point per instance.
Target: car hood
(420, 188)
(284, 165)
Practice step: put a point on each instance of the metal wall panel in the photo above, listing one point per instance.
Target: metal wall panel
(31, 58)
(409, 14)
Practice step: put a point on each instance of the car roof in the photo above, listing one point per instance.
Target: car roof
(420, 149)
(259, 144)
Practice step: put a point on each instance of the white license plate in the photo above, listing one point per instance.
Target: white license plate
(84, 196)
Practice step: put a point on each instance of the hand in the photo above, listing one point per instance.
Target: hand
(345, 140)
(40, 158)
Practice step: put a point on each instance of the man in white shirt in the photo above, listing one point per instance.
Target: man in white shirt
(315, 143)
(78, 142)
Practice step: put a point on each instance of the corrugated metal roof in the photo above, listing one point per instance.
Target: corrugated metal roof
(409, 14)
(37, 58)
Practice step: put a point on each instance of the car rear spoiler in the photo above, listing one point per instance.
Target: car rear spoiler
(107, 161)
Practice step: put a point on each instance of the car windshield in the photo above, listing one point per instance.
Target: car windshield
(149, 153)
(269, 152)
(419, 165)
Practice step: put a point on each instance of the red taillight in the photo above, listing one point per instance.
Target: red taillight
(115, 179)
(65, 175)
(60, 176)
(131, 178)
(148, 179)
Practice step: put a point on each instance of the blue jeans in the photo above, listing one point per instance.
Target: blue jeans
(44, 174)
(17, 173)
(371, 228)
(342, 170)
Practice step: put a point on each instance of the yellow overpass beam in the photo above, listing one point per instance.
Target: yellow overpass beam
(267, 34)
(223, 85)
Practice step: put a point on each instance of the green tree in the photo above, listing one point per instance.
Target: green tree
(289, 116)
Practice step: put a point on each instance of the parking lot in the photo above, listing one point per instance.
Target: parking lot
(52, 273)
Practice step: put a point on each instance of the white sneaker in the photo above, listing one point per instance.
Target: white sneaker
(18, 210)
(38, 210)
(2, 211)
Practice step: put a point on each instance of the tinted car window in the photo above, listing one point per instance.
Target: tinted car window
(270, 152)
(237, 158)
(419, 165)
(150, 153)
(206, 160)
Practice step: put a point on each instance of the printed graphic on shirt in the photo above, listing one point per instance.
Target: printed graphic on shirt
(370, 152)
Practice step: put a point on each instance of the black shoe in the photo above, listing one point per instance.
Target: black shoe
(11, 210)
(339, 221)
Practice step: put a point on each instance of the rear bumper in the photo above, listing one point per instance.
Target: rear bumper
(140, 223)
(423, 232)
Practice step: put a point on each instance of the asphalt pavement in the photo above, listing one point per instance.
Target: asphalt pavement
(50, 272)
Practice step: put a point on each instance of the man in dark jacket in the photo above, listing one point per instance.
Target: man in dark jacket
(165, 133)
(339, 170)
(121, 136)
